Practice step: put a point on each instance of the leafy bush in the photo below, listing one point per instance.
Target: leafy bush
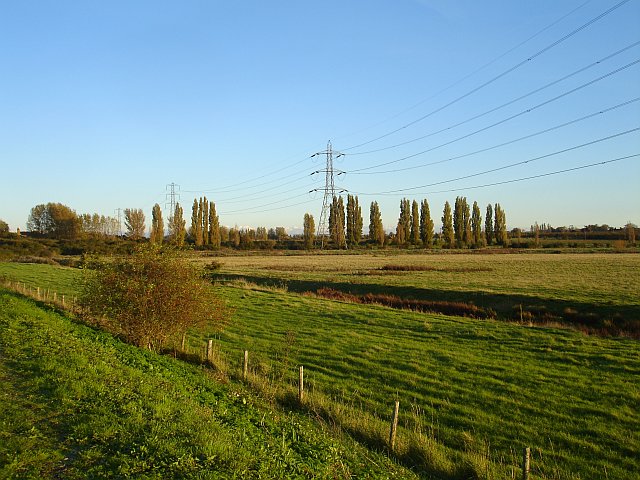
(150, 297)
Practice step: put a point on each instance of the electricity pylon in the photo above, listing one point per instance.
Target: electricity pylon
(329, 192)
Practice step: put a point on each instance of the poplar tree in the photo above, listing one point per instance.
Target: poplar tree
(214, 227)
(426, 225)
(500, 227)
(337, 221)
(488, 225)
(447, 227)
(466, 220)
(177, 230)
(358, 222)
(376, 229)
(354, 221)
(415, 223)
(458, 222)
(476, 226)
(400, 233)
(351, 213)
(198, 233)
(309, 227)
(205, 221)
(157, 225)
(405, 221)
(194, 220)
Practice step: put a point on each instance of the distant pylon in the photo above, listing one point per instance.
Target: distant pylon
(329, 192)
(171, 196)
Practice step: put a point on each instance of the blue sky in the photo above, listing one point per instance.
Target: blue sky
(102, 104)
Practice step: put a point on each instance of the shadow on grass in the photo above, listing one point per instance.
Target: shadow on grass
(604, 320)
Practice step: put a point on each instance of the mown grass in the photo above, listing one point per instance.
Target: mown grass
(472, 392)
(77, 403)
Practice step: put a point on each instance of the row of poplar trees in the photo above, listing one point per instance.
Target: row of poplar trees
(461, 228)
(205, 225)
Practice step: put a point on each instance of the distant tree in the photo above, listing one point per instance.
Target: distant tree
(281, 234)
(337, 222)
(631, 233)
(488, 225)
(134, 221)
(247, 237)
(500, 226)
(461, 222)
(447, 227)
(4, 227)
(261, 233)
(405, 221)
(54, 220)
(415, 223)
(205, 222)
(234, 236)
(535, 229)
(309, 228)
(476, 226)
(354, 221)
(224, 234)
(157, 226)
(358, 222)
(214, 227)
(426, 225)
(150, 298)
(39, 220)
(400, 233)
(198, 234)
(467, 236)
(376, 229)
(177, 230)
(193, 231)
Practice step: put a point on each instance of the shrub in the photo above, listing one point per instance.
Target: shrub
(150, 297)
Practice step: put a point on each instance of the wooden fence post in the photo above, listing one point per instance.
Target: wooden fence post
(184, 341)
(245, 365)
(526, 456)
(209, 350)
(38, 290)
(55, 297)
(62, 301)
(394, 426)
(301, 385)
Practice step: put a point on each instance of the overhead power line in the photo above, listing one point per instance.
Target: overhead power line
(510, 142)
(515, 164)
(497, 77)
(500, 122)
(522, 179)
(477, 70)
(511, 102)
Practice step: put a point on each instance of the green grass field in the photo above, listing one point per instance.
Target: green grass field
(472, 393)
(76, 403)
(595, 287)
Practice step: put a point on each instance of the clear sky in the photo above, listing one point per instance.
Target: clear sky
(102, 104)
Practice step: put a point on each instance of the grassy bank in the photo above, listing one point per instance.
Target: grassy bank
(76, 403)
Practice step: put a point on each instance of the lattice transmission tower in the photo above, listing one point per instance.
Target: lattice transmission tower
(329, 191)
(170, 198)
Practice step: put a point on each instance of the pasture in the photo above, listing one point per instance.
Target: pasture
(472, 392)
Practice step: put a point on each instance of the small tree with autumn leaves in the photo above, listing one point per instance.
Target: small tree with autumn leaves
(150, 298)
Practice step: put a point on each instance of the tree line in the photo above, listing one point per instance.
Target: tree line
(463, 226)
